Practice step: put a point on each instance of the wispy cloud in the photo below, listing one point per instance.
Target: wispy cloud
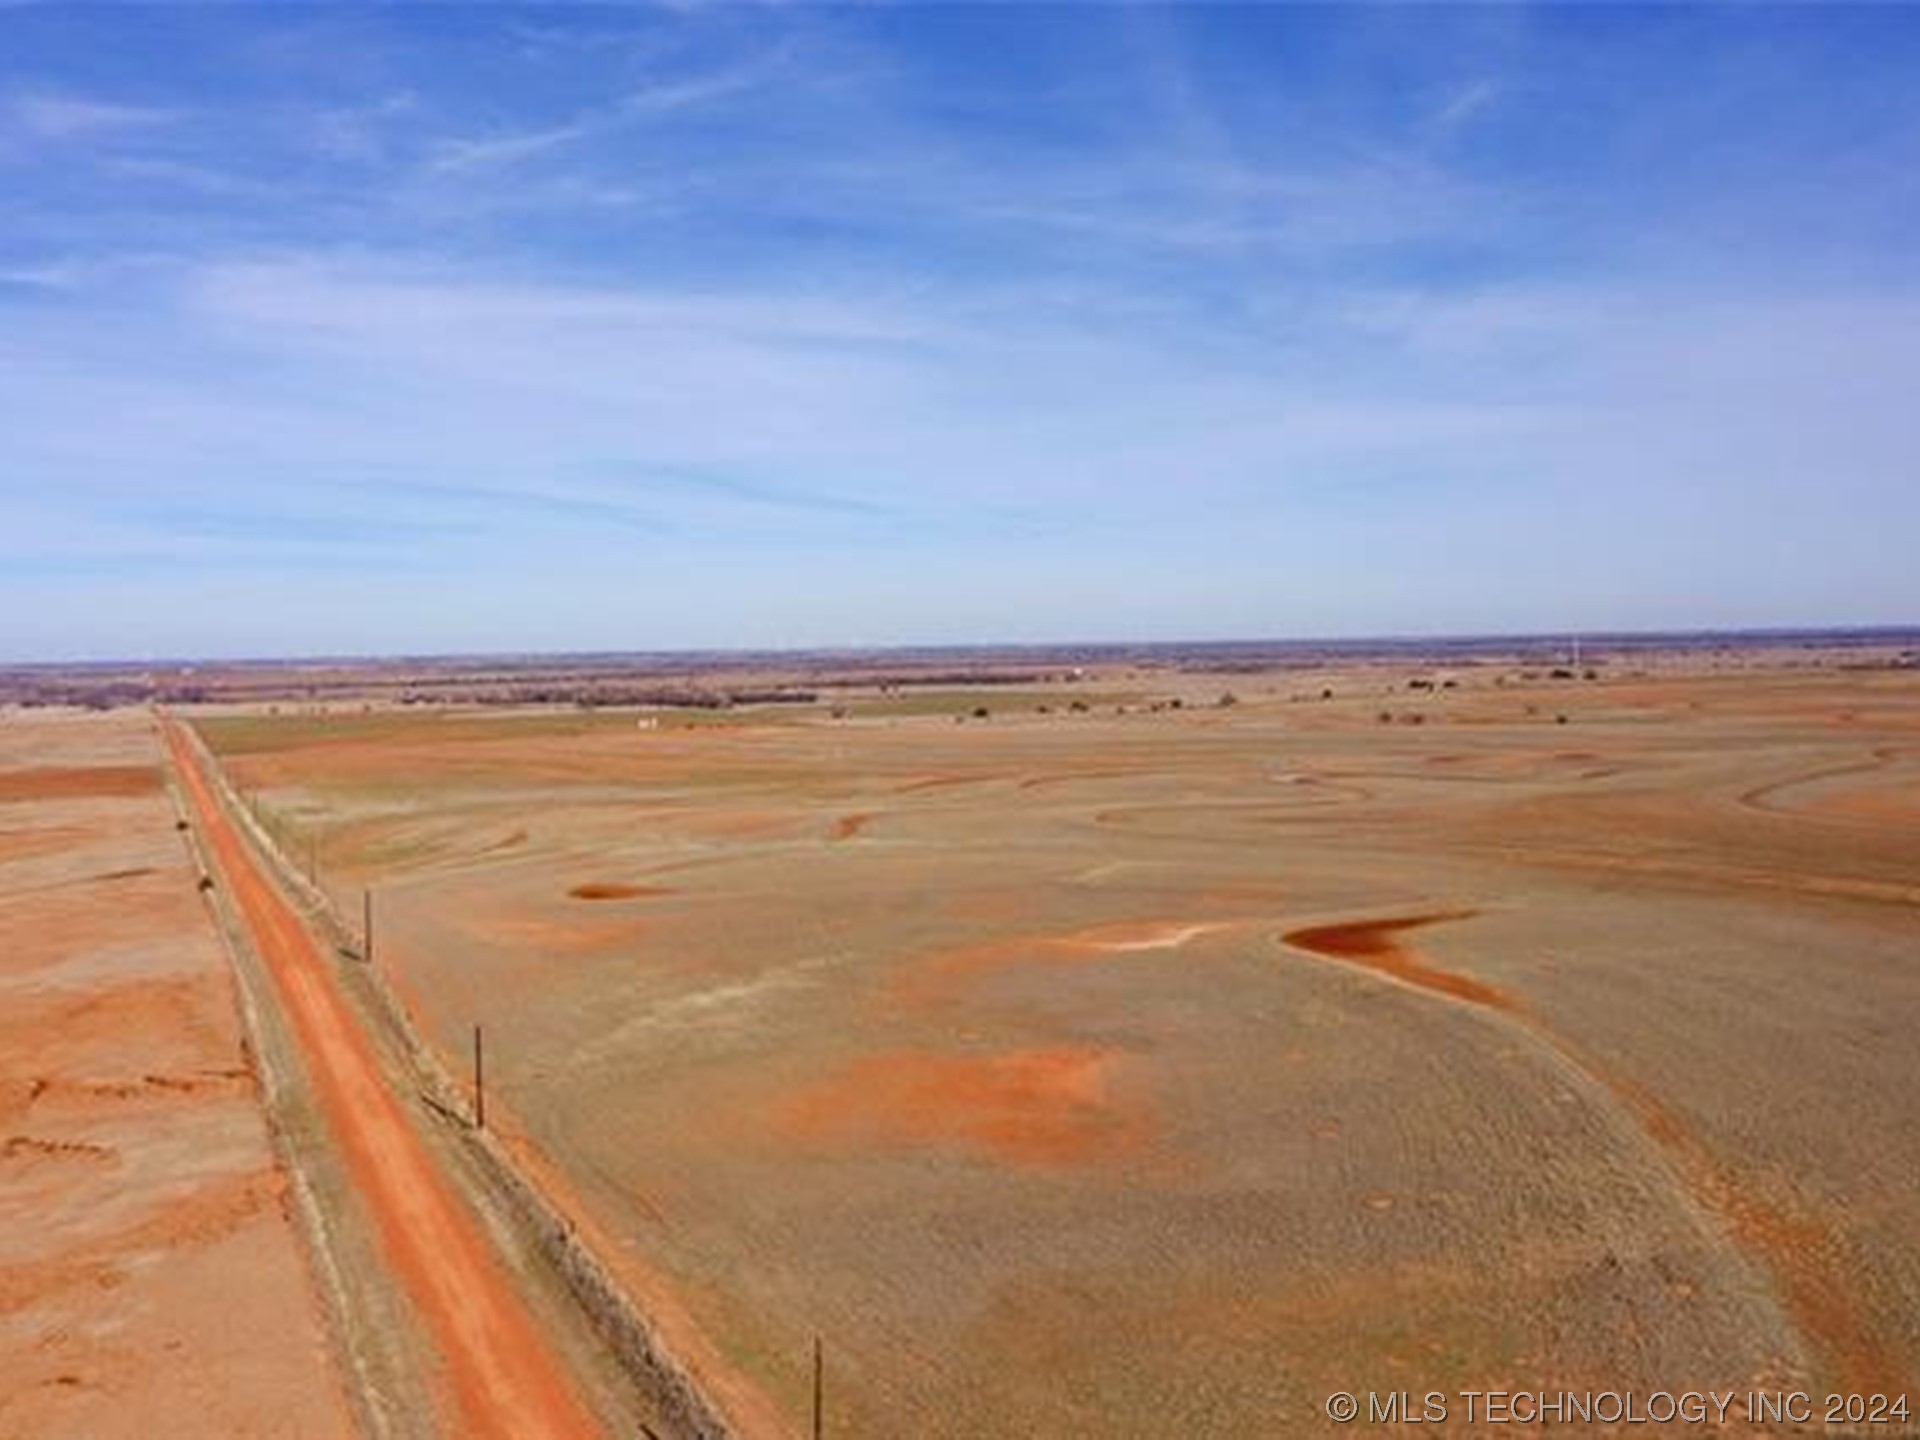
(1466, 102)
(360, 133)
(56, 117)
(508, 147)
(653, 99)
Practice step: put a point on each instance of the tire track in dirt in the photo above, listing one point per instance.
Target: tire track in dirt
(504, 1378)
(1813, 1275)
(1761, 797)
(1690, 872)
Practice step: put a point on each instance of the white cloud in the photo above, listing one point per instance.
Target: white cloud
(505, 148)
(69, 117)
(659, 98)
(1466, 102)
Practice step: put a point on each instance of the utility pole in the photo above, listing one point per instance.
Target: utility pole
(479, 1084)
(819, 1414)
(366, 926)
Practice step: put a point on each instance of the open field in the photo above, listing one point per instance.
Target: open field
(151, 1279)
(1159, 1072)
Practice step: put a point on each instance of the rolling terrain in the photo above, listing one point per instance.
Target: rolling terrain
(1124, 1068)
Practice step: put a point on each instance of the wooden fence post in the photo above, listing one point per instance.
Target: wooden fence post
(479, 1084)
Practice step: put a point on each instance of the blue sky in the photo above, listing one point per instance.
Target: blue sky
(331, 330)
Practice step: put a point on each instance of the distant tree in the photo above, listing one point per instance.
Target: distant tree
(1227, 700)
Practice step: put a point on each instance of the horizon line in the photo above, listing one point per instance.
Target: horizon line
(1622, 637)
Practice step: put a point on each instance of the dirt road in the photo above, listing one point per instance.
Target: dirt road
(503, 1377)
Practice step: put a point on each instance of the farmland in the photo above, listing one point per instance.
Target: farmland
(1140, 1068)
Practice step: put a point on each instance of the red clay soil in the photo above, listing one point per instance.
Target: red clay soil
(1375, 944)
(96, 782)
(614, 890)
(1815, 1279)
(1026, 1107)
(504, 1378)
(49, 840)
(941, 977)
(848, 826)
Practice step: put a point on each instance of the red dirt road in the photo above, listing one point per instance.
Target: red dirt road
(505, 1380)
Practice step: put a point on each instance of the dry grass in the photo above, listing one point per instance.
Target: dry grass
(1085, 1074)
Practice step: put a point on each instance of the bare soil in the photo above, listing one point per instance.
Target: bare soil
(1160, 1072)
(151, 1278)
(503, 1377)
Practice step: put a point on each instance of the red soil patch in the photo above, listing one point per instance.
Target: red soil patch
(1817, 1277)
(940, 976)
(614, 890)
(1375, 945)
(15, 1146)
(1026, 1107)
(848, 826)
(18, 1095)
(91, 783)
(1897, 804)
(26, 844)
(1817, 1280)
